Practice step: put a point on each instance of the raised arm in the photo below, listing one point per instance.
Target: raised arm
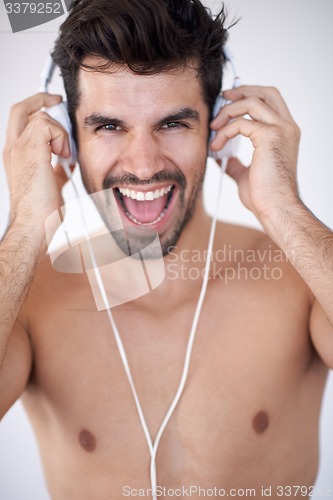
(34, 193)
(269, 189)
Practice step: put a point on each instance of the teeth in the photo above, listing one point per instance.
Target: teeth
(141, 196)
(130, 216)
(150, 196)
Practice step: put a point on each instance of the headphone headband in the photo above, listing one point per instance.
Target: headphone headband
(50, 65)
(47, 73)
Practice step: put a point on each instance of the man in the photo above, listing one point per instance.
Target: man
(249, 412)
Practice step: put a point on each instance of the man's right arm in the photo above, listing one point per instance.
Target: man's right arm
(17, 267)
(19, 252)
(35, 192)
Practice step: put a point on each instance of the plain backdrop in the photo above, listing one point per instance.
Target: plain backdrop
(285, 43)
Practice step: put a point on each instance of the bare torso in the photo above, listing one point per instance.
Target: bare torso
(249, 413)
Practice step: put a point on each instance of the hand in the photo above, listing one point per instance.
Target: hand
(32, 137)
(270, 181)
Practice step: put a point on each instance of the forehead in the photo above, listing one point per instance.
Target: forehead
(120, 86)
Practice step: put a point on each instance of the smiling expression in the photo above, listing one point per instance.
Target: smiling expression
(144, 136)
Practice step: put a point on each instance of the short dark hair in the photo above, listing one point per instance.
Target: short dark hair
(148, 36)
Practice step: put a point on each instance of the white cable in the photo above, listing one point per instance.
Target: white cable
(153, 447)
(192, 334)
(101, 288)
(46, 78)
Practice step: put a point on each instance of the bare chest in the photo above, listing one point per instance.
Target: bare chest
(247, 406)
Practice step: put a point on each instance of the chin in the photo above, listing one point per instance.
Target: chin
(137, 212)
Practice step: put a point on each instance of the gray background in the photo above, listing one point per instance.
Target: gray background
(285, 43)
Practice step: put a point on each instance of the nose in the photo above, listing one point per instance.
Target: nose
(142, 156)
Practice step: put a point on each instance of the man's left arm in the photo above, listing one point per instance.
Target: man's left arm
(308, 244)
(269, 189)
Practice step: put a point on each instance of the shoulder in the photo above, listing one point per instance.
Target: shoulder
(242, 242)
(58, 284)
(252, 244)
(258, 259)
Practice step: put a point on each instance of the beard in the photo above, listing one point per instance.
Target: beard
(133, 240)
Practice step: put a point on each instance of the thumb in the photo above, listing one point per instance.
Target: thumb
(60, 174)
(235, 169)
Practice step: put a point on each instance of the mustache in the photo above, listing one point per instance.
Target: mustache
(129, 180)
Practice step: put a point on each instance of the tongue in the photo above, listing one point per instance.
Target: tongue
(145, 211)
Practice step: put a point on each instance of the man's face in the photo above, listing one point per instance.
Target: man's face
(146, 138)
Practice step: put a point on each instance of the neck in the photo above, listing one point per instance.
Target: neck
(184, 265)
(194, 237)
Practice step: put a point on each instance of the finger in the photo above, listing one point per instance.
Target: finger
(243, 126)
(20, 113)
(235, 169)
(252, 106)
(60, 174)
(60, 144)
(57, 135)
(41, 133)
(270, 95)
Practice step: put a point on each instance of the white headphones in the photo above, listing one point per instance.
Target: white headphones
(232, 146)
(59, 113)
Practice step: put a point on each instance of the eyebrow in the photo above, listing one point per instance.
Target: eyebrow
(97, 119)
(183, 114)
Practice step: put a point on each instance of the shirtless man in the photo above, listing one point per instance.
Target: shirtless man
(249, 414)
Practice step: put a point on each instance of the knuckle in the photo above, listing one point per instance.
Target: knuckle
(16, 108)
(40, 115)
(38, 118)
(273, 91)
(253, 101)
(292, 131)
(298, 132)
(13, 151)
(289, 129)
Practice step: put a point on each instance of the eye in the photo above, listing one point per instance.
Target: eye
(111, 127)
(173, 125)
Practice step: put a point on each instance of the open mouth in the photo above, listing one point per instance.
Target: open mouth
(145, 208)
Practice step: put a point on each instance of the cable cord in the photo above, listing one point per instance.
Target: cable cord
(192, 334)
(153, 446)
(46, 78)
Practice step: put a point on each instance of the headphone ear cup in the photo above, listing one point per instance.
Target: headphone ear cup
(218, 105)
(232, 146)
(60, 114)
